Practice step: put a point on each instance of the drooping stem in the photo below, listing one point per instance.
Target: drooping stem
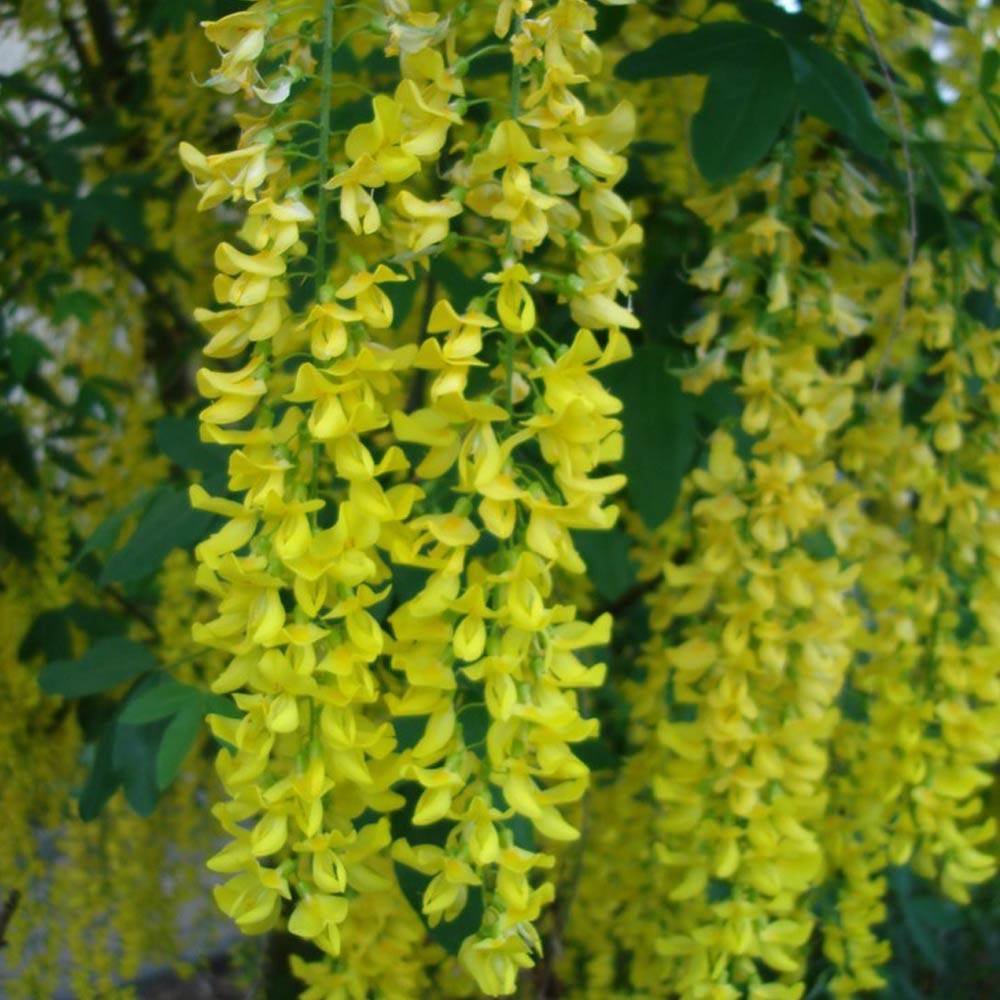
(326, 75)
(515, 111)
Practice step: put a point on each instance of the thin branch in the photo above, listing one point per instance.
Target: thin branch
(102, 28)
(7, 914)
(87, 70)
(911, 190)
(633, 595)
(14, 83)
(416, 394)
(133, 609)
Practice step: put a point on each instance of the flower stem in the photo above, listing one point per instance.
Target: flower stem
(326, 81)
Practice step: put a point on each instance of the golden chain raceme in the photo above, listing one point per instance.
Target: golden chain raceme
(485, 631)
(484, 639)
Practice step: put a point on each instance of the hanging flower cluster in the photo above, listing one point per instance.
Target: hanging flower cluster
(818, 699)
(462, 460)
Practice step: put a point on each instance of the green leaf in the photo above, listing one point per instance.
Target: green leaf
(104, 665)
(134, 756)
(167, 524)
(67, 462)
(96, 622)
(178, 438)
(609, 23)
(14, 539)
(218, 704)
(26, 353)
(460, 287)
(829, 90)
(491, 64)
(449, 934)
(981, 305)
(77, 302)
(102, 778)
(20, 192)
(346, 116)
(659, 431)
(609, 566)
(160, 700)
(702, 51)
(106, 533)
(475, 722)
(82, 228)
(401, 295)
(988, 70)
(16, 449)
(936, 12)
(409, 730)
(49, 633)
(746, 103)
(596, 754)
(178, 739)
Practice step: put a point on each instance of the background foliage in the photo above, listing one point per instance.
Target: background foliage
(105, 773)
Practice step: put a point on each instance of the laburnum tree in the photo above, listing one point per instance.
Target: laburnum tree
(504, 497)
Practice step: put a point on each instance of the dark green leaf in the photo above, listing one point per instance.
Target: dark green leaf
(401, 295)
(746, 103)
(981, 305)
(104, 665)
(217, 704)
(25, 352)
(77, 302)
(460, 287)
(409, 730)
(609, 23)
(646, 147)
(48, 635)
(67, 462)
(596, 754)
(14, 539)
(96, 622)
(178, 739)
(829, 90)
(106, 533)
(702, 51)
(346, 116)
(492, 64)
(102, 778)
(659, 431)
(475, 722)
(936, 12)
(178, 439)
(135, 757)
(82, 228)
(36, 386)
(450, 934)
(606, 554)
(160, 700)
(19, 192)
(988, 70)
(718, 404)
(16, 449)
(167, 524)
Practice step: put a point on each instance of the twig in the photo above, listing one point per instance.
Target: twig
(415, 397)
(627, 598)
(133, 609)
(7, 914)
(911, 190)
